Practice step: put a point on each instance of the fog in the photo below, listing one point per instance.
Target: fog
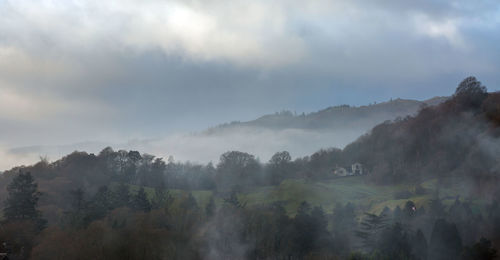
(200, 147)
(112, 147)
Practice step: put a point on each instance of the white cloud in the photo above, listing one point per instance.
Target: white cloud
(447, 29)
(241, 32)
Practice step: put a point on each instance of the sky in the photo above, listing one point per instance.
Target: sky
(122, 70)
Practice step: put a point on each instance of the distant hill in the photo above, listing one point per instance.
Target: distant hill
(337, 117)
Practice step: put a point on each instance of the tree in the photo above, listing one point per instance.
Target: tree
(371, 227)
(320, 234)
(279, 165)
(22, 201)
(419, 245)
(237, 169)
(140, 201)
(343, 224)
(445, 242)
(210, 208)
(480, 250)
(100, 204)
(233, 201)
(470, 93)
(409, 210)
(77, 216)
(303, 235)
(162, 198)
(394, 243)
(121, 196)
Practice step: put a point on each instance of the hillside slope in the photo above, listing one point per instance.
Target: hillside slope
(338, 117)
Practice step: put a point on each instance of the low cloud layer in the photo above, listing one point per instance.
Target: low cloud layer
(201, 147)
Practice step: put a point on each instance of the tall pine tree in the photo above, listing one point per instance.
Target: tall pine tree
(22, 201)
(23, 198)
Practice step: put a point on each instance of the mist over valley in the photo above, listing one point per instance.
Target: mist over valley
(260, 130)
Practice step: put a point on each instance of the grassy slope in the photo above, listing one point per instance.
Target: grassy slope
(369, 197)
(327, 193)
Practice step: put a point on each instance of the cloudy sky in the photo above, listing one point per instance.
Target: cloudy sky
(120, 70)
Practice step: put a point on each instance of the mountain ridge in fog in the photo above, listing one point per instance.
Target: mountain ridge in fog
(341, 116)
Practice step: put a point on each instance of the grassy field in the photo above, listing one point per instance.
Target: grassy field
(327, 193)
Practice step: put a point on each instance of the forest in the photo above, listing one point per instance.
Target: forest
(440, 168)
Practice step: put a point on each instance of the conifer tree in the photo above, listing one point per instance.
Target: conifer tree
(23, 198)
(141, 201)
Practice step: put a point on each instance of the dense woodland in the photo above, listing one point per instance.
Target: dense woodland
(87, 206)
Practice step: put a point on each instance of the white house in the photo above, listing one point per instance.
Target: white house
(357, 169)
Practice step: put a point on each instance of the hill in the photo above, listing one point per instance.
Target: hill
(458, 138)
(338, 117)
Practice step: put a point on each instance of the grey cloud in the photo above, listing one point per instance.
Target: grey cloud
(119, 70)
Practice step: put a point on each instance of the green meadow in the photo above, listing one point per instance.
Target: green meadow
(367, 196)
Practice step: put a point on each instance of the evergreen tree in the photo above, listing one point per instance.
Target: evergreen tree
(386, 212)
(343, 224)
(320, 234)
(22, 201)
(121, 196)
(371, 226)
(419, 245)
(162, 198)
(481, 250)
(77, 216)
(302, 236)
(141, 201)
(393, 243)
(445, 242)
(210, 208)
(189, 203)
(100, 204)
(397, 215)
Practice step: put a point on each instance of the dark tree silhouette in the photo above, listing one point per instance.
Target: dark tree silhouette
(210, 208)
(22, 201)
(394, 243)
(445, 242)
(371, 227)
(279, 166)
(122, 197)
(470, 93)
(237, 169)
(481, 250)
(419, 245)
